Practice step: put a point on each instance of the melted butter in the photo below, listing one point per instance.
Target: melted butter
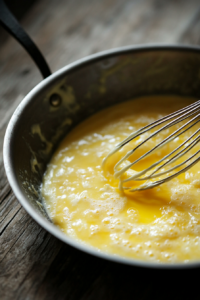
(84, 201)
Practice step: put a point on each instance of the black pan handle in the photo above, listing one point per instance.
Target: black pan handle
(8, 21)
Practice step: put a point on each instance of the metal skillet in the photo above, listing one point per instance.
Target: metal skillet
(73, 93)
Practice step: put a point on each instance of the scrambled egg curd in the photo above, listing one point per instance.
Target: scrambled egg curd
(158, 225)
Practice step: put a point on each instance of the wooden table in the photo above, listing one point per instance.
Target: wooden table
(34, 264)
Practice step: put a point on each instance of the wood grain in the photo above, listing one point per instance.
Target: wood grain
(34, 264)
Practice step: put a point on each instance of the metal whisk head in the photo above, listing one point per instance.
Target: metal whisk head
(164, 169)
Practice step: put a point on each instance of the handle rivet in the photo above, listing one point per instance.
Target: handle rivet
(55, 100)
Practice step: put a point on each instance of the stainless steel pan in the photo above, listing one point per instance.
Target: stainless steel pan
(73, 93)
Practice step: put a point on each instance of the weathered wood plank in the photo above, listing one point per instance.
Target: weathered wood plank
(33, 264)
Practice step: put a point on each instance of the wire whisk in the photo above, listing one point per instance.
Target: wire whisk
(151, 174)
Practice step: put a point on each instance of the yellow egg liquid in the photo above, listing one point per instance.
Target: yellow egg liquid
(83, 199)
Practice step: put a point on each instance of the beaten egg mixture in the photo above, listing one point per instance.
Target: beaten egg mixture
(159, 225)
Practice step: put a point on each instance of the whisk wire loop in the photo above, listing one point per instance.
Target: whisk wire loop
(193, 112)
